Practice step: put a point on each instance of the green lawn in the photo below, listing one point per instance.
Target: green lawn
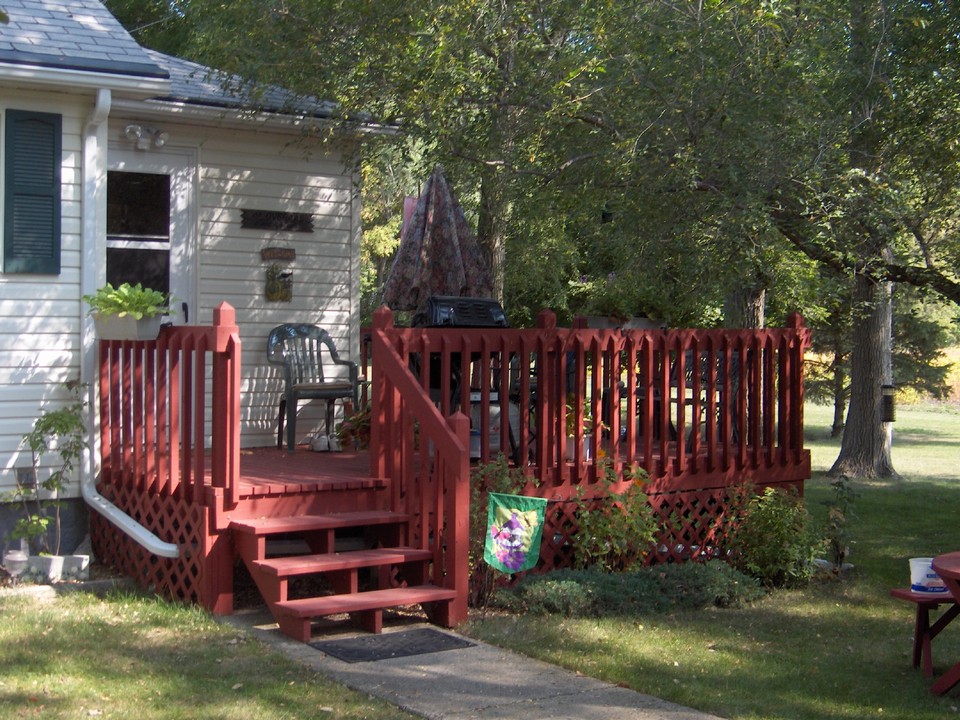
(834, 650)
(139, 658)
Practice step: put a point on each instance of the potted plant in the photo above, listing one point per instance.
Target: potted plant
(355, 428)
(128, 312)
(64, 431)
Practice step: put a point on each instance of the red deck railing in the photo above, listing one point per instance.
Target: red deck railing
(701, 411)
(155, 420)
(169, 451)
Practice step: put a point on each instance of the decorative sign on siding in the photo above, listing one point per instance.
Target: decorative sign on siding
(278, 253)
(276, 220)
(279, 285)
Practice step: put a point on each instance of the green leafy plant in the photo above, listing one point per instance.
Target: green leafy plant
(570, 417)
(355, 428)
(133, 300)
(839, 514)
(63, 431)
(775, 541)
(615, 531)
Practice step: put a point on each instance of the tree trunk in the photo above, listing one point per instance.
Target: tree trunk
(865, 451)
(839, 391)
(865, 448)
(744, 307)
(494, 201)
(492, 227)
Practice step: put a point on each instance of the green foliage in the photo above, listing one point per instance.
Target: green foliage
(64, 431)
(496, 476)
(133, 300)
(839, 514)
(157, 24)
(615, 531)
(657, 589)
(355, 430)
(775, 540)
(921, 330)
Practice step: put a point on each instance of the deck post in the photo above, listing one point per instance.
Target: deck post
(216, 582)
(458, 517)
(225, 403)
(382, 320)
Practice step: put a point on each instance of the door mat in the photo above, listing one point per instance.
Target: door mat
(370, 648)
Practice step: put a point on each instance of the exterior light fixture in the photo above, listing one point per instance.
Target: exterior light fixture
(144, 137)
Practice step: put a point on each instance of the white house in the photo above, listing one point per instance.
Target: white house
(119, 163)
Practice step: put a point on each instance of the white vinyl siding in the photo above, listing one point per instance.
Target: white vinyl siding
(279, 176)
(41, 315)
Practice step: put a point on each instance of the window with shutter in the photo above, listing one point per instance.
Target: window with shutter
(31, 228)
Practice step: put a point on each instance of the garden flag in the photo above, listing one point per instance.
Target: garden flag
(514, 529)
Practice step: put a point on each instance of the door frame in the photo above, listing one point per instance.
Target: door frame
(181, 165)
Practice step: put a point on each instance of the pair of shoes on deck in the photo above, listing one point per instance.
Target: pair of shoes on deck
(325, 443)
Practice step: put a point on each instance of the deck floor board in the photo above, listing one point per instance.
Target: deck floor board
(273, 471)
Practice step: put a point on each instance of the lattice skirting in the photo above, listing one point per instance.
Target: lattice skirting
(172, 520)
(695, 525)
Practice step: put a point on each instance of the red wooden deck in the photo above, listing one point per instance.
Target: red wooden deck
(273, 471)
(170, 452)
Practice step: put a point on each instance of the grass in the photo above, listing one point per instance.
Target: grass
(833, 650)
(837, 649)
(134, 657)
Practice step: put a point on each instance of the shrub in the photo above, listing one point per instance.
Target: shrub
(62, 431)
(839, 514)
(775, 541)
(615, 531)
(656, 589)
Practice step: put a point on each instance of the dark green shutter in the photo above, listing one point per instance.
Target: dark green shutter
(31, 228)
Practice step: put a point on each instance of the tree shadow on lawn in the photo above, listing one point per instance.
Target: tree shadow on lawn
(835, 650)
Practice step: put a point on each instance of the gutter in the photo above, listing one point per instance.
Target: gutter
(202, 113)
(94, 145)
(68, 78)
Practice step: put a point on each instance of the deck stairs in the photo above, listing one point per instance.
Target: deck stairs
(362, 556)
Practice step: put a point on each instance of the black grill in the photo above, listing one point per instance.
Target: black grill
(464, 312)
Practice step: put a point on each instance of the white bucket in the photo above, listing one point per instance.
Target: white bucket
(923, 578)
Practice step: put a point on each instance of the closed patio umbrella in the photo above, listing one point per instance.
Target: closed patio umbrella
(438, 253)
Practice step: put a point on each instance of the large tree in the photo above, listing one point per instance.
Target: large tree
(660, 157)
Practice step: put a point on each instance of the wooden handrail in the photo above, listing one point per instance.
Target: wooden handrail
(429, 474)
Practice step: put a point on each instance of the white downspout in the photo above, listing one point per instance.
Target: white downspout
(91, 274)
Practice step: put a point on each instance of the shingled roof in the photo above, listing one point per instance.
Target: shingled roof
(82, 35)
(193, 83)
(75, 35)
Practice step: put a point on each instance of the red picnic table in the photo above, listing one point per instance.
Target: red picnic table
(947, 566)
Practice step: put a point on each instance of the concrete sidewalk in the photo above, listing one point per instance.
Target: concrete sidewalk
(477, 682)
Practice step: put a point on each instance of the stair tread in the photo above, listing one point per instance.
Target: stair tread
(303, 523)
(325, 562)
(356, 602)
